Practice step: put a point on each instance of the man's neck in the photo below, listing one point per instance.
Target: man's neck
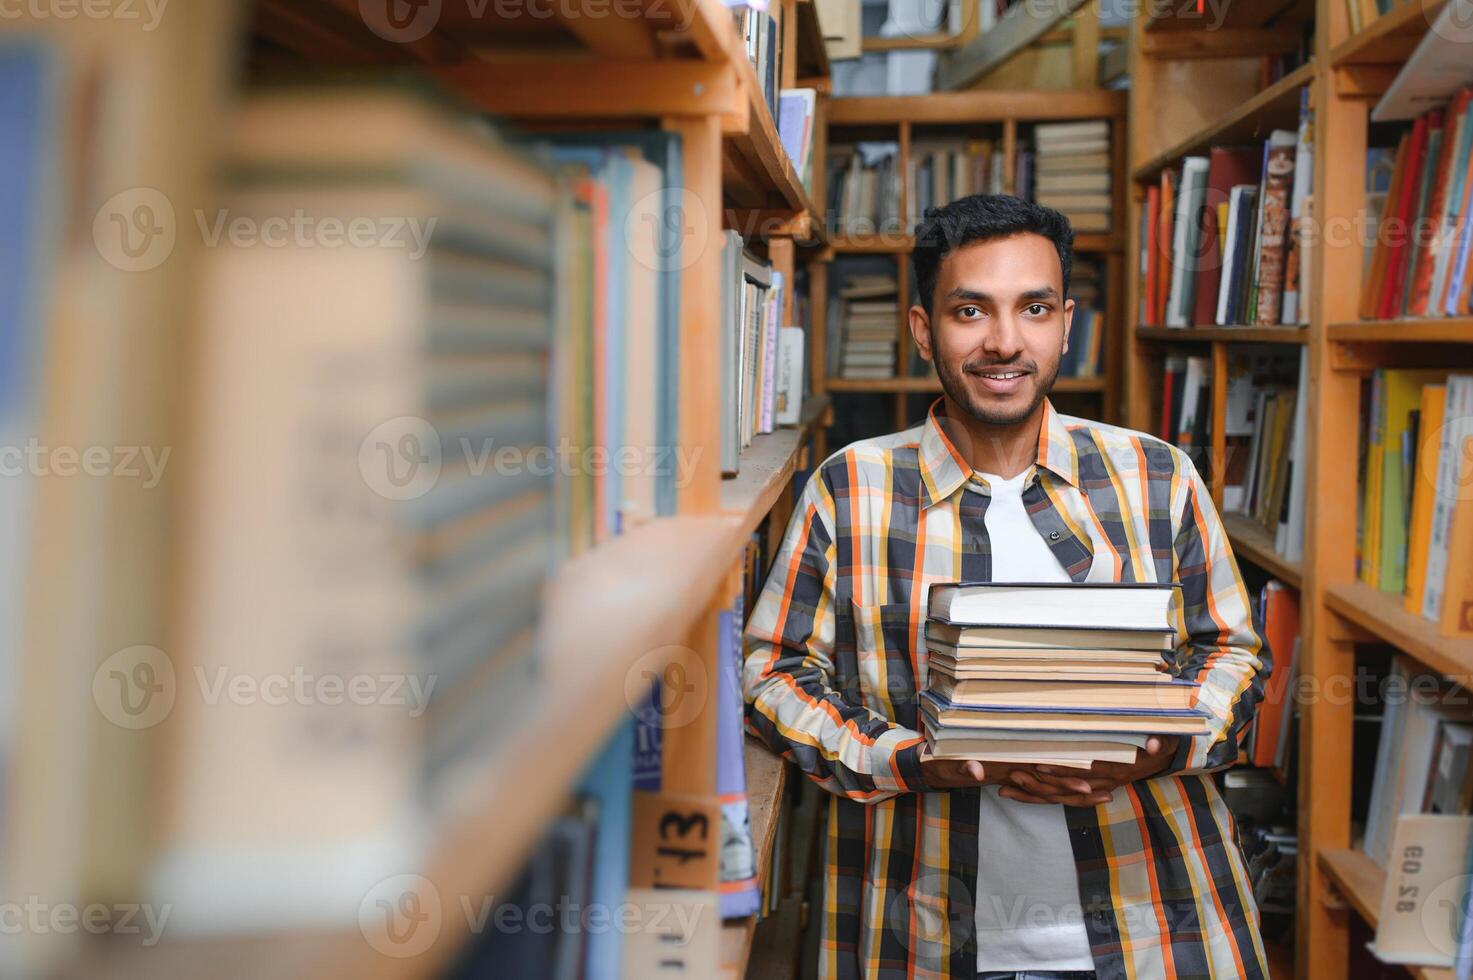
(1005, 450)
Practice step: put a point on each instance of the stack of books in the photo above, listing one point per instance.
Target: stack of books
(864, 189)
(870, 312)
(1061, 674)
(1070, 172)
(942, 171)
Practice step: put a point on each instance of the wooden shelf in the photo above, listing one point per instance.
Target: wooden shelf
(1175, 16)
(767, 781)
(1239, 335)
(1276, 107)
(1447, 330)
(1252, 541)
(766, 466)
(813, 53)
(1390, 38)
(1382, 615)
(929, 382)
(897, 244)
(1360, 881)
(976, 107)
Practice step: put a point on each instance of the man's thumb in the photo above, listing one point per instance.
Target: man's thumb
(974, 769)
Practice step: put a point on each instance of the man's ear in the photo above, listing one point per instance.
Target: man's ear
(920, 330)
(1068, 321)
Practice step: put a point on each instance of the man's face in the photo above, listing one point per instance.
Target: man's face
(998, 326)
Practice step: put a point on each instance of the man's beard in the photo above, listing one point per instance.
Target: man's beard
(956, 388)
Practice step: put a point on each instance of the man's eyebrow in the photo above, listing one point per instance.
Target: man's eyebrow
(1037, 293)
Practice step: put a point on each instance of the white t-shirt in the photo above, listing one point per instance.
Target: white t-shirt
(1028, 907)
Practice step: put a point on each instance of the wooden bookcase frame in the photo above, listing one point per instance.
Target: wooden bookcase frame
(1189, 80)
(679, 66)
(901, 115)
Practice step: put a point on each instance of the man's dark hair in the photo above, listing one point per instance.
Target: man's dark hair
(983, 218)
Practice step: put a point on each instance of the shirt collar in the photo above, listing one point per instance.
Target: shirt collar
(944, 469)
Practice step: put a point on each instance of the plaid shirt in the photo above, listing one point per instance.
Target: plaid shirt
(835, 655)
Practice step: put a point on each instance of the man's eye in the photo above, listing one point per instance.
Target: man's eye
(1036, 309)
(969, 311)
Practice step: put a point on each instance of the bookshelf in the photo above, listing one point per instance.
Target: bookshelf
(637, 600)
(1187, 78)
(906, 119)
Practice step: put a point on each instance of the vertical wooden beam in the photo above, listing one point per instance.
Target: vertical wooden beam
(1325, 732)
(780, 254)
(907, 220)
(1085, 51)
(700, 322)
(1218, 457)
(902, 327)
(1114, 328)
(1135, 361)
(1010, 156)
(818, 306)
(789, 27)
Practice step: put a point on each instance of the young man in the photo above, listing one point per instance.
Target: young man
(951, 869)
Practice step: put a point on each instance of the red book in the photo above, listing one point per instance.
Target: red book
(1226, 168)
(1406, 203)
(1168, 398)
(1151, 313)
(1281, 630)
(1420, 275)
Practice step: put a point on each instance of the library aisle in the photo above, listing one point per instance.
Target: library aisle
(405, 403)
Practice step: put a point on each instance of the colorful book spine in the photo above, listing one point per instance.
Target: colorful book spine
(738, 878)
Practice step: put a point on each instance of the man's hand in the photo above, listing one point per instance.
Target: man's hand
(961, 773)
(1087, 787)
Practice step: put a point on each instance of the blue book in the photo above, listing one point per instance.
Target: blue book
(738, 877)
(607, 783)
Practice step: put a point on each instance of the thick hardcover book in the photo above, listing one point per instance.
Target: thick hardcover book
(1227, 167)
(1103, 605)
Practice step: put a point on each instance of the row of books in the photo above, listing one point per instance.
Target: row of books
(762, 363)
(1268, 745)
(1419, 821)
(1066, 166)
(1416, 515)
(1264, 435)
(1085, 357)
(1223, 237)
(760, 28)
(1062, 674)
(1419, 203)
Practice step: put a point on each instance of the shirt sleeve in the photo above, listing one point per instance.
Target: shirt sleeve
(1225, 652)
(788, 679)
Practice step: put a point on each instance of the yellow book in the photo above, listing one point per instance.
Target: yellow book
(1424, 490)
(1401, 394)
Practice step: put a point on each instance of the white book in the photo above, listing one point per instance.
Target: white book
(1186, 235)
(1289, 541)
(790, 375)
(1075, 605)
(1237, 213)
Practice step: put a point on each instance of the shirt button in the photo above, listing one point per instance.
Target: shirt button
(1054, 535)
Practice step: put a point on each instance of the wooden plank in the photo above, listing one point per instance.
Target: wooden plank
(812, 53)
(1218, 394)
(1114, 64)
(616, 35)
(766, 467)
(1225, 42)
(1251, 540)
(1364, 81)
(921, 42)
(1453, 330)
(1085, 47)
(976, 107)
(599, 89)
(1383, 615)
(818, 310)
(1385, 40)
(1014, 31)
(700, 321)
(1232, 335)
(1275, 107)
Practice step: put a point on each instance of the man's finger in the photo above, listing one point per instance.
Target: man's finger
(1042, 782)
(1153, 745)
(974, 770)
(1013, 793)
